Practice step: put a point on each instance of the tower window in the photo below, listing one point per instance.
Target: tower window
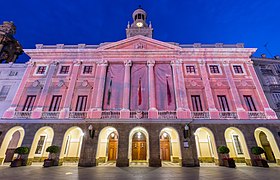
(143, 16)
(139, 16)
(214, 69)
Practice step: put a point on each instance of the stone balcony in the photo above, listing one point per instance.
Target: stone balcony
(139, 115)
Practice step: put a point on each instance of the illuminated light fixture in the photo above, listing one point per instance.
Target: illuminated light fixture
(139, 135)
(112, 135)
(186, 131)
(82, 134)
(91, 131)
(165, 134)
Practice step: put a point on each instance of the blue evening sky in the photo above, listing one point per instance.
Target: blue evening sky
(253, 22)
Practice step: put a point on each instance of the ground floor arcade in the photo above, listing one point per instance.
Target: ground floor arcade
(90, 143)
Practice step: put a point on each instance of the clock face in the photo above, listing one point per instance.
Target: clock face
(139, 24)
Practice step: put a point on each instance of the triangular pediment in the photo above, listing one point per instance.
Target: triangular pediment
(139, 43)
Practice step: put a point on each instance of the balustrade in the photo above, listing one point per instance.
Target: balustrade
(110, 115)
(78, 114)
(50, 115)
(167, 115)
(228, 115)
(22, 114)
(256, 115)
(200, 115)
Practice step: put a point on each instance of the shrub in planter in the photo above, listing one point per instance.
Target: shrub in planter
(257, 151)
(19, 161)
(228, 162)
(51, 161)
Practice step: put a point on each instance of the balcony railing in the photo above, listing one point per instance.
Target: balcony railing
(256, 115)
(110, 115)
(228, 115)
(50, 115)
(138, 115)
(22, 114)
(200, 115)
(78, 114)
(167, 115)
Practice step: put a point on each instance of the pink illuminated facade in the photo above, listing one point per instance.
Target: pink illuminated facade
(148, 85)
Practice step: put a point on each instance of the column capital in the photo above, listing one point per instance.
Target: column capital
(55, 63)
(127, 63)
(77, 62)
(250, 63)
(151, 63)
(176, 62)
(225, 63)
(30, 63)
(201, 62)
(102, 63)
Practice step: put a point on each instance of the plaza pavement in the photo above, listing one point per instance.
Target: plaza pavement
(112, 173)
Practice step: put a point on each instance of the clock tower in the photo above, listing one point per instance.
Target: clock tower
(139, 25)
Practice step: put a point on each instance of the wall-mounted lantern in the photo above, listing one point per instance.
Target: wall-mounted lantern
(91, 131)
(186, 131)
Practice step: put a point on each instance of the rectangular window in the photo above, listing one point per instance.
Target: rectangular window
(190, 69)
(237, 69)
(276, 97)
(4, 92)
(40, 145)
(87, 70)
(196, 102)
(29, 103)
(223, 103)
(41, 69)
(64, 70)
(237, 144)
(55, 103)
(13, 73)
(214, 69)
(250, 103)
(81, 103)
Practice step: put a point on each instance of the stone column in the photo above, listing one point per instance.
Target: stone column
(219, 135)
(123, 143)
(125, 112)
(154, 144)
(153, 112)
(270, 114)
(89, 148)
(59, 132)
(9, 113)
(189, 155)
(64, 113)
(99, 88)
(183, 110)
(250, 142)
(242, 114)
(37, 112)
(214, 113)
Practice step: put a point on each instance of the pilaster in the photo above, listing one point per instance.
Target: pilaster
(125, 112)
(214, 113)
(123, 141)
(153, 112)
(64, 113)
(37, 112)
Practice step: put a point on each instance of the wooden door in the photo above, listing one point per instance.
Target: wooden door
(112, 150)
(165, 149)
(139, 150)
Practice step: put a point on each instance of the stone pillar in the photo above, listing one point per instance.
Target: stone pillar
(250, 142)
(219, 135)
(183, 111)
(64, 113)
(59, 132)
(214, 113)
(123, 143)
(270, 114)
(242, 114)
(37, 112)
(189, 155)
(154, 144)
(89, 148)
(100, 78)
(153, 112)
(9, 113)
(125, 112)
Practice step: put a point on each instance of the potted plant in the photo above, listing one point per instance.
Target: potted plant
(19, 161)
(257, 151)
(51, 161)
(228, 162)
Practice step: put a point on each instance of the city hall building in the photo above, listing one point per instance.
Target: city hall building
(140, 100)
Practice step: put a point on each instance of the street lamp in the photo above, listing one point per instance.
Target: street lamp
(186, 131)
(91, 131)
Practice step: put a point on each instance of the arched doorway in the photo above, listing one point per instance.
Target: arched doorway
(267, 148)
(12, 140)
(138, 150)
(236, 143)
(266, 140)
(139, 147)
(170, 145)
(206, 146)
(107, 150)
(165, 148)
(113, 146)
(42, 140)
(71, 146)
